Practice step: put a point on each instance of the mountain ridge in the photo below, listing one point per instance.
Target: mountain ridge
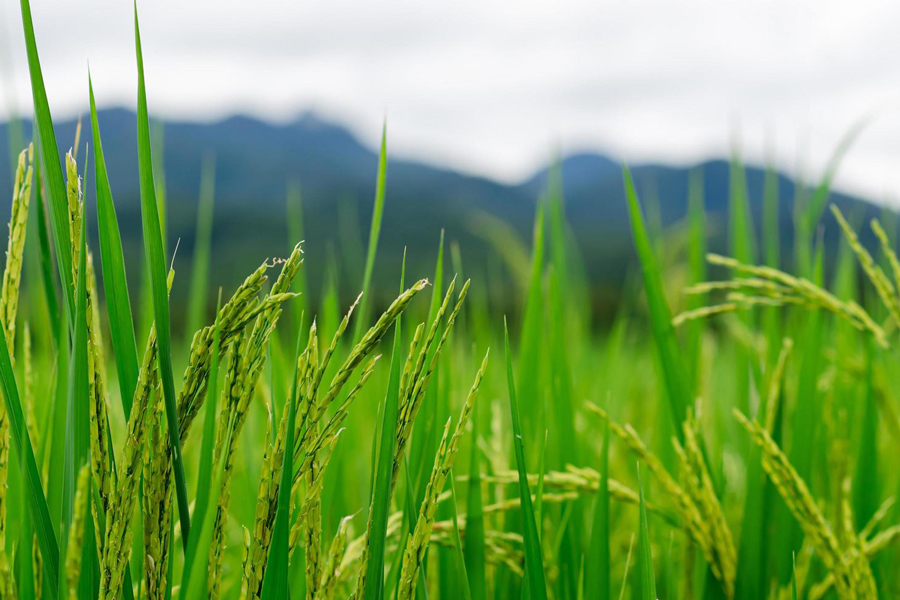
(255, 160)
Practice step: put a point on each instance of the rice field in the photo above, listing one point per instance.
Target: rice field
(729, 435)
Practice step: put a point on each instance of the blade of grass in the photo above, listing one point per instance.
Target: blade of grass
(645, 555)
(115, 284)
(156, 264)
(77, 410)
(457, 541)
(532, 337)
(207, 444)
(275, 580)
(295, 233)
(46, 257)
(36, 501)
(202, 247)
(196, 584)
(673, 368)
(793, 577)
(56, 185)
(810, 211)
(597, 582)
(411, 514)
(374, 232)
(534, 563)
(866, 483)
(475, 554)
(381, 493)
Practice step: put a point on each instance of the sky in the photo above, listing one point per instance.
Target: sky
(496, 88)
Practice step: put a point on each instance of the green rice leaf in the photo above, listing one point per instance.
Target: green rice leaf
(534, 563)
(597, 581)
(295, 235)
(56, 184)
(808, 213)
(645, 555)
(207, 444)
(866, 483)
(697, 263)
(46, 257)
(275, 580)
(77, 409)
(532, 338)
(156, 264)
(474, 551)
(34, 491)
(115, 284)
(457, 542)
(381, 492)
(374, 232)
(673, 368)
(793, 577)
(202, 247)
(195, 585)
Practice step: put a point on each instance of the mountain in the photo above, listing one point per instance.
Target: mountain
(256, 159)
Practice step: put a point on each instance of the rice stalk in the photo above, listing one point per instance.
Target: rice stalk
(330, 571)
(873, 271)
(77, 532)
(418, 544)
(805, 292)
(245, 366)
(848, 565)
(117, 544)
(157, 501)
(9, 302)
(307, 442)
(418, 382)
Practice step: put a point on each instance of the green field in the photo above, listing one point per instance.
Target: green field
(728, 436)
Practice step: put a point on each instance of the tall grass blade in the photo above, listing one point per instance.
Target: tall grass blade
(534, 563)
(115, 284)
(202, 247)
(810, 211)
(697, 263)
(35, 499)
(645, 554)
(156, 264)
(381, 492)
(462, 576)
(674, 371)
(275, 581)
(597, 581)
(532, 335)
(374, 232)
(56, 184)
(46, 256)
(205, 471)
(474, 551)
(77, 413)
(295, 233)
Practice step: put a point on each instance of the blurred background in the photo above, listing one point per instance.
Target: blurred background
(483, 103)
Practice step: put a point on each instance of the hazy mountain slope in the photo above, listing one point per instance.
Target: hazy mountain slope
(256, 159)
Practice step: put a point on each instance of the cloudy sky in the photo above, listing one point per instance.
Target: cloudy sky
(494, 88)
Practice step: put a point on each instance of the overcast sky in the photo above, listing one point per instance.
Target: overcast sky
(495, 88)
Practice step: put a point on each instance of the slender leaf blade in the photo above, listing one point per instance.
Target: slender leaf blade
(534, 562)
(156, 264)
(115, 284)
(673, 368)
(374, 233)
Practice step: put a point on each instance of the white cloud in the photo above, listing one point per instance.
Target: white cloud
(495, 87)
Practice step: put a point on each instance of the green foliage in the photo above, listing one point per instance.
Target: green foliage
(154, 251)
(801, 467)
(534, 564)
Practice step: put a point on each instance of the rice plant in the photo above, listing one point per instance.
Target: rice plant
(730, 439)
